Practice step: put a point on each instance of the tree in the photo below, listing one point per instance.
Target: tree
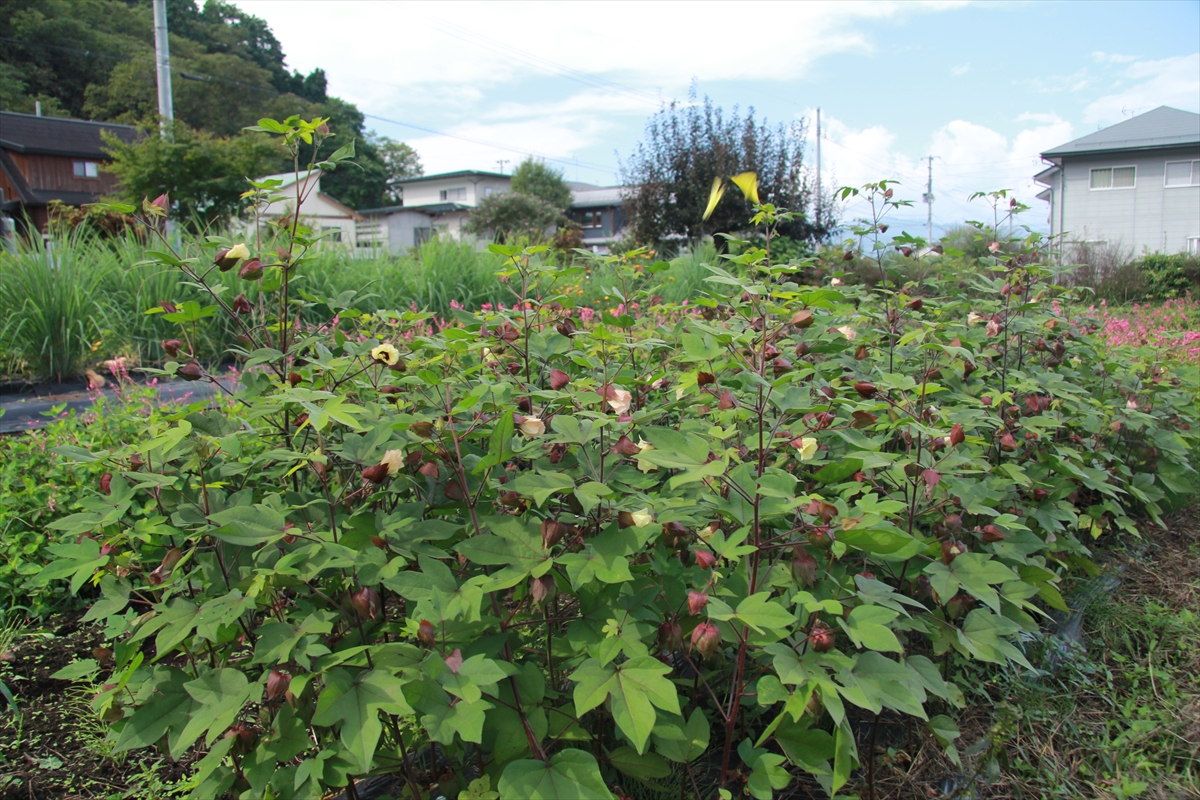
(687, 146)
(513, 214)
(401, 163)
(204, 174)
(533, 177)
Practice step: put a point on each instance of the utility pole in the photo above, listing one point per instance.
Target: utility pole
(162, 53)
(928, 198)
(502, 162)
(818, 165)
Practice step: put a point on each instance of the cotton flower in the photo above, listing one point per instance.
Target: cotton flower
(1131, 404)
(642, 518)
(643, 464)
(836, 282)
(993, 328)
(974, 319)
(386, 354)
(238, 251)
(618, 399)
(808, 448)
(532, 426)
(848, 332)
(393, 460)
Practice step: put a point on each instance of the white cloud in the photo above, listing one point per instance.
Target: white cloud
(1170, 81)
(967, 158)
(961, 69)
(1111, 58)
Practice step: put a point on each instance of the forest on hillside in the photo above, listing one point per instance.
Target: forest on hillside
(94, 59)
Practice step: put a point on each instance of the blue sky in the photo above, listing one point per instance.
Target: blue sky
(983, 87)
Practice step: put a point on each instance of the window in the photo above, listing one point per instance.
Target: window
(332, 233)
(1114, 178)
(591, 219)
(86, 169)
(1193, 245)
(488, 191)
(453, 194)
(1182, 173)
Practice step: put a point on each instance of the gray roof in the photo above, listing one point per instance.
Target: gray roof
(597, 198)
(58, 136)
(1160, 128)
(428, 208)
(465, 173)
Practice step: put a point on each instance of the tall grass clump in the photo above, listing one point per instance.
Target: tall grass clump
(52, 312)
(444, 270)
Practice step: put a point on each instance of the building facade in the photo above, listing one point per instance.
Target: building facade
(320, 212)
(43, 159)
(1134, 185)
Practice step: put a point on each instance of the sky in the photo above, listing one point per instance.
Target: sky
(981, 87)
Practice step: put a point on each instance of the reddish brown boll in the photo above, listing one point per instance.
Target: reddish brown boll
(821, 640)
(865, 389)
(705, 559)
(559, 379)
(376, 473)
(172, 347)
(426, 634)
(277, 684)
(696, 602)
(706, 638)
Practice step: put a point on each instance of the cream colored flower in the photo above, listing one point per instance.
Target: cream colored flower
(238, 251)
(808, 448)
(532, 426)
(394, 459)
(1131, 404)
(993, 328)
(619, 399)
(386, 354)
(848, 332)
(642, 518)
(974, 319)
(643, 464)
(836, 282)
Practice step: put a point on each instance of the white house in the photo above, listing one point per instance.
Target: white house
(433, 204)
(441, 204)
(318, 211)
(1135, 184)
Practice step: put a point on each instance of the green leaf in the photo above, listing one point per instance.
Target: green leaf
(220, 695)
(641, 766)
(682, 743)
(636, 687)
(976, 572)
(757, 611)
(867, 626)
(838, 471)
(569, 775)
(355, 702)
(248, 525)
(540, 485)
(479, 789)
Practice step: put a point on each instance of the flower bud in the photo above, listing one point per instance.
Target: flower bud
(429, 470)
(106, 483)
(190, 372)
(277, 684)
(952, 550)
(848, 255)
(705, 559)
(805, 567)
(865, 389)
(366, 602)
(1007, 442)
(696, 602)
(625, 447)
(552, 532)
(670, 637)
(803, 319)
(675, 533)
(422, 429)
(294, 378)
(425, 633)
(558, 379)
(727, 401)
(916, 304)
(957, 436)
(376, 473)
(226, 260)
(992, 534)
(706, 638)
(172, 347)
(821, 640)
(241, 305)
(252, 270)
(542, 589)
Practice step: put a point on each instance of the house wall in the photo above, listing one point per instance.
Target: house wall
(1149, 216)
(56, 173)
(317, 212)
(424, 193)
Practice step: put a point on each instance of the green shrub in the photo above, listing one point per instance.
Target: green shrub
(1167, 277)
(694, 548)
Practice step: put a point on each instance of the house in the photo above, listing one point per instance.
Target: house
(1135, 184)
(441, 204)
(597, 211)
(320, 212)
(43, 159)
(433, 204)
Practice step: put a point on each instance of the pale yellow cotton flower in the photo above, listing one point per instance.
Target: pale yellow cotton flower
(532, 426)
(848, 332)
(643, 464)
(642, 518)
(238, 251)
(619, 400)
(808, 448)
(386, 354)
(394, 459)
